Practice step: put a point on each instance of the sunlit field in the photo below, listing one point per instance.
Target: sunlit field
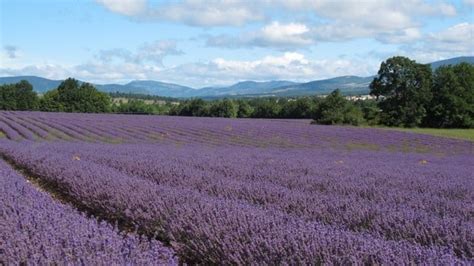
(457, 133)
(234, 191)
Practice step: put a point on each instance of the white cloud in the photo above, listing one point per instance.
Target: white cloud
(285, 33)
(51, 71)
(459, 33)
(374, 12)
(208, 12)
(469, 2)
(148, 52)
(297, 35)
(192, 12)
(288, 66)
(407, 35)
(125, 7)
(383, 15)
(389, 21)
(275, 34)
(456, 40)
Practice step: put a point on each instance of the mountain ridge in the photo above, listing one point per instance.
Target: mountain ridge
(348, 84)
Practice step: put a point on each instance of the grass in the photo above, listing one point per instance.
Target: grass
(464, 134)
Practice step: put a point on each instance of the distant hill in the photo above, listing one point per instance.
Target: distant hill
(243, 87)
(40, 85)
(347, 84)
(453, 61)
(149, 87)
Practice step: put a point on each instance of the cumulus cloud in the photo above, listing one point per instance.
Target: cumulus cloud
(51, 71)
(275, 34)
(11, 51)
(148, 52)
(386, 21)
(125, 7)
(469, 2)
(192, 12)
(93, 71)
(288, 66)
(208, 12)
(407, 35)
(389, 21)
(283, 33)
(294, 35)
(456, 40)
(389, 14)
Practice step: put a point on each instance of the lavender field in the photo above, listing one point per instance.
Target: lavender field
(122, 189)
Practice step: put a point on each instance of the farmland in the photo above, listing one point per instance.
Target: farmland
(83, 188)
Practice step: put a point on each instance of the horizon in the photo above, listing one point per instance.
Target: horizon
(196, 88)
(193, 44)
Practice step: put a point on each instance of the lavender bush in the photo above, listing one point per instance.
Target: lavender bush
(261, 191)
(35, 229)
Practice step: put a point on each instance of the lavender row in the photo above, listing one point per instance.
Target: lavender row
(436, 209)
(241, 132)
(9, 132)
(22, 131)
(37, 230)
(211, 230)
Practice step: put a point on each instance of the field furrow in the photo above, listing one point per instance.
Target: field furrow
(241, 191)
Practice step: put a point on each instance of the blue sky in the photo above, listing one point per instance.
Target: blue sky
(217, 42)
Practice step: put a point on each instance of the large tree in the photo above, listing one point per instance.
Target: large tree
(244, 110)
(266, 108)
(70, 96)
(7, 97)
(299, 108)
(403, 89)
(453, 97)
(335, 109)
(194, 107)
(18, 96)
(26, 98)
(224, 108)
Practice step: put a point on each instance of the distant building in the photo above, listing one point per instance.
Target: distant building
(360, 97)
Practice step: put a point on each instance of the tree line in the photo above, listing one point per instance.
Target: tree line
(69, 96)
(411, 94)
(408, 94)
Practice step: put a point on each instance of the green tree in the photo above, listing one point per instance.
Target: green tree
(50, 102)
(453, 97)
(404, 90)
(72, 97)
(134, 107)
(88, 99)
(370, 111)
(18, 96)
(26, 98)
(223, 108)
(335, 109)
(7, 97)
(244, 110)
(266, 108)
(299, 108)
(194, 107)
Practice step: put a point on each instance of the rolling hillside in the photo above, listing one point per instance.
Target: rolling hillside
(347, 84)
